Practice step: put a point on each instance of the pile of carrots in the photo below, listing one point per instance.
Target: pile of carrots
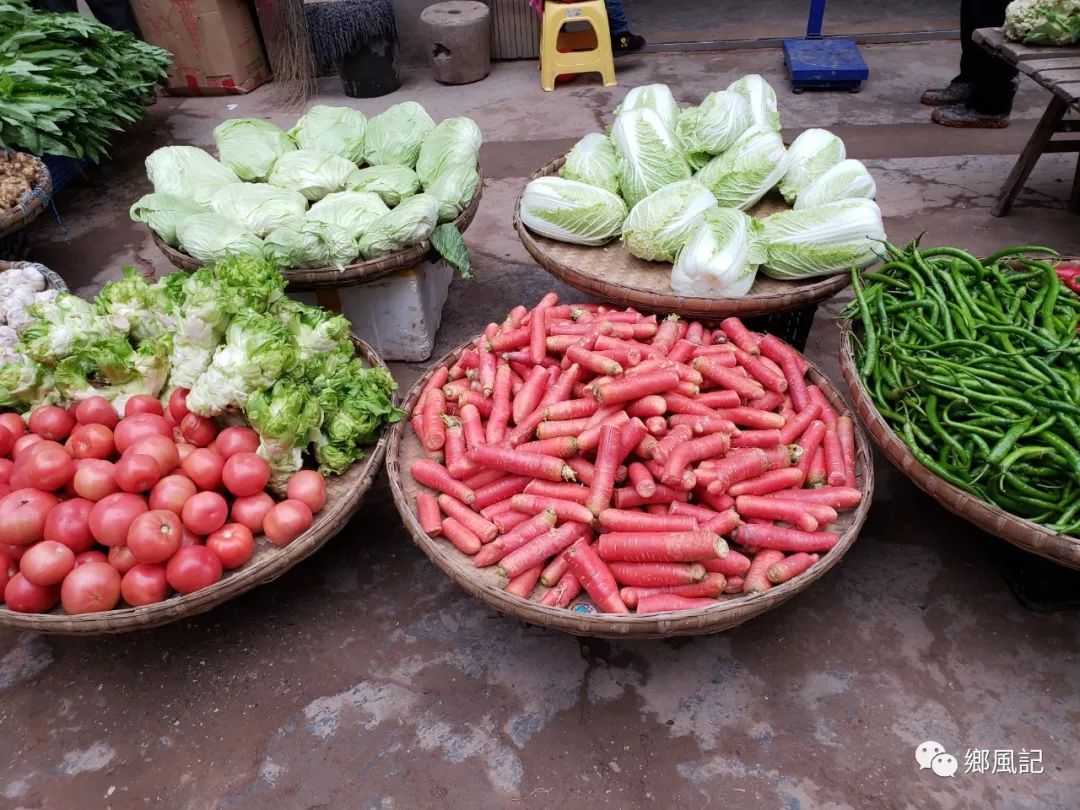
(656, 466)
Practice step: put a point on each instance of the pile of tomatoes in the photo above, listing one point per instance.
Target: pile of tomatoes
(96, 509)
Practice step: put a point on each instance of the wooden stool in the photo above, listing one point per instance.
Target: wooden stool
(554, 62)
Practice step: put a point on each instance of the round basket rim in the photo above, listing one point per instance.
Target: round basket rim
(33, 202)
(328, 523)
(986, 516)
(315, 278)
(52, 278)
(708, 309)
(732, 610)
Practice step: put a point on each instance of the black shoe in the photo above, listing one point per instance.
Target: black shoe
(955, 93)
(626, 43)
(961, 115)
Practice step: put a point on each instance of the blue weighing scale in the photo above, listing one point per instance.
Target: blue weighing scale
(817, 62)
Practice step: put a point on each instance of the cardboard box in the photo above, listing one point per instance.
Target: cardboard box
(214, 43)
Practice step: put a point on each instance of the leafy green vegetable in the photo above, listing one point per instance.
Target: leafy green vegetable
(310, 243)
(69, 83)
(810, 155)
(251, 146)
(593, 160)
(658, 226)
(648, 156)
(394, 137)
(285, 416)
(163, 212)
(1043, 22)
(409, 224)
(721, 257)
(713, 126)
(214, 238)
(571, 211)
(135, 307)
(454, 187)
(258, 207)
(392, 183)
(188, 172)
(761, 98)
(744, 173)
(822, 241)
(449, 243)
(846, 180)
(337, 130)
(313, 174)
(455, 141)
(352, 212)
(315, 330)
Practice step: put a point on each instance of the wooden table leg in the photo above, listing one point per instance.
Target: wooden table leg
(1045, 130)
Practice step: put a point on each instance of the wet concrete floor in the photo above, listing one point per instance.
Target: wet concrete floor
(363, 678)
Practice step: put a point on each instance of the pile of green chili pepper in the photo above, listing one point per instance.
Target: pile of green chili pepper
(976, 366)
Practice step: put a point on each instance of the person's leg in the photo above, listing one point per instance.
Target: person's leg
(993, 80)
(959, 89)
(616, 17)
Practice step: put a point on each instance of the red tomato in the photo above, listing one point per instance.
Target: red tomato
(89, 557)
(47, 466)
(8, 569)
(14, 423)
(113, 515)
(22, 443)
(245, 474)
(251, 511)
(137, 472)
(91, 588)
(51, 422)
(68, 523)
(23, 596)
(142, 403)
(162, 449)
(183, 450)
(233, 543)
(132, 428)
(286, 521)
(193, 568)
(96, 411)
(154, 536)
(233, 440)
(121, 558)
(205, 512)
(199, 430)
(171, 493)
(47, 563)
(144, 584)
(6, 466)
(23, 514)
(204, 468)
(308, 486)
(178, 405)
(7, 441)
(94, 479)
(189, 538)
(91, 441)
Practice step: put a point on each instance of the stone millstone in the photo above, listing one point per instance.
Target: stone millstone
(459, 40)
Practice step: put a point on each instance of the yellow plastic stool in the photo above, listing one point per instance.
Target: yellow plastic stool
(554, 62)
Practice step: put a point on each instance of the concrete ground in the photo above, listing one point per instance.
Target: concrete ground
(364, 679)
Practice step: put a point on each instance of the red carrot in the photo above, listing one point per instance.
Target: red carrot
(561, 388)
(641, 479)
(738, 334)
(571, 409)
(677, 403)
(485, 530)
(593, 361)
(564, 427)
(790, 567)
(735, 564)
(565, 492)
(771, 481)
(479, 401)
(671, 603)
(528, 398)
(809, 443)
(461, 536)
(511, 461)
(538, 551)
(487, 368)
(417, 423)
(679, 434)
(836, 497)
(734, 585)
(717, 502)
(515, 538)
(826, 412)
(559, 446)
(719, 399)
(537, 336)
(627, 498)
(724, 522)
(427, 509)
(693, 450)
(656, 574)
(646, 546)
(636, 386)
(554, 571)
(434, 429)
(523, 584)
(775, 349)
(822, 513)
(562, 594)
(454, 445)
(471, 426)
(781, 539)
(752, 418)
(745, 387)
(795, 426)
(699, 424)
(608, 457)
(749, 463)
(620, 520)
(768, 378)
(434, 475)
(757, 438)
(700, 513)
(500, 407)
(667, 333)
(522, 433)
(682, 351)
(834, 459)
(508, 519)
(507, 341)
(774, 509)
(712, 586)
(589, 439)
(796, 382)
(845, 430)
(491, 510)
(657, 426)
(594, 577)
(756, 579)
(500, 490)
(817, 474)
(647, 406)
(564, 510)
(454, 389)
(770, 402)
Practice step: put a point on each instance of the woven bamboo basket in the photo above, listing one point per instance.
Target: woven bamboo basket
(52, 279)
(345, 494)
(485, 585)
(32, 203)
(315, 278)
(613, 275)
(988, 517)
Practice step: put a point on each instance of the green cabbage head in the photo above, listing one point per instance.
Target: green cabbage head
(310, 243)
(593, 160)
(259, 207)
(394, 137)
(745, 172)
(761, 98)
(337, 130)
(649, 159)
(409, 224)
(721, 257)
(392, 183)
(454, 187)
(713, 126)
(162, 212)
(453, 141)
(214, 238)
(810, 155)
(250, 146)
(353, 212)
(658, 226)
(655, 97)
(847, 180)
(314, 174)
(187, 172)
(570, 211)
(822, 241)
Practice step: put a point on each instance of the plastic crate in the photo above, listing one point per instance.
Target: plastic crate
(792, 326)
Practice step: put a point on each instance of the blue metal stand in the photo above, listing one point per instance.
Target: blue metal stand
(823, 63)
